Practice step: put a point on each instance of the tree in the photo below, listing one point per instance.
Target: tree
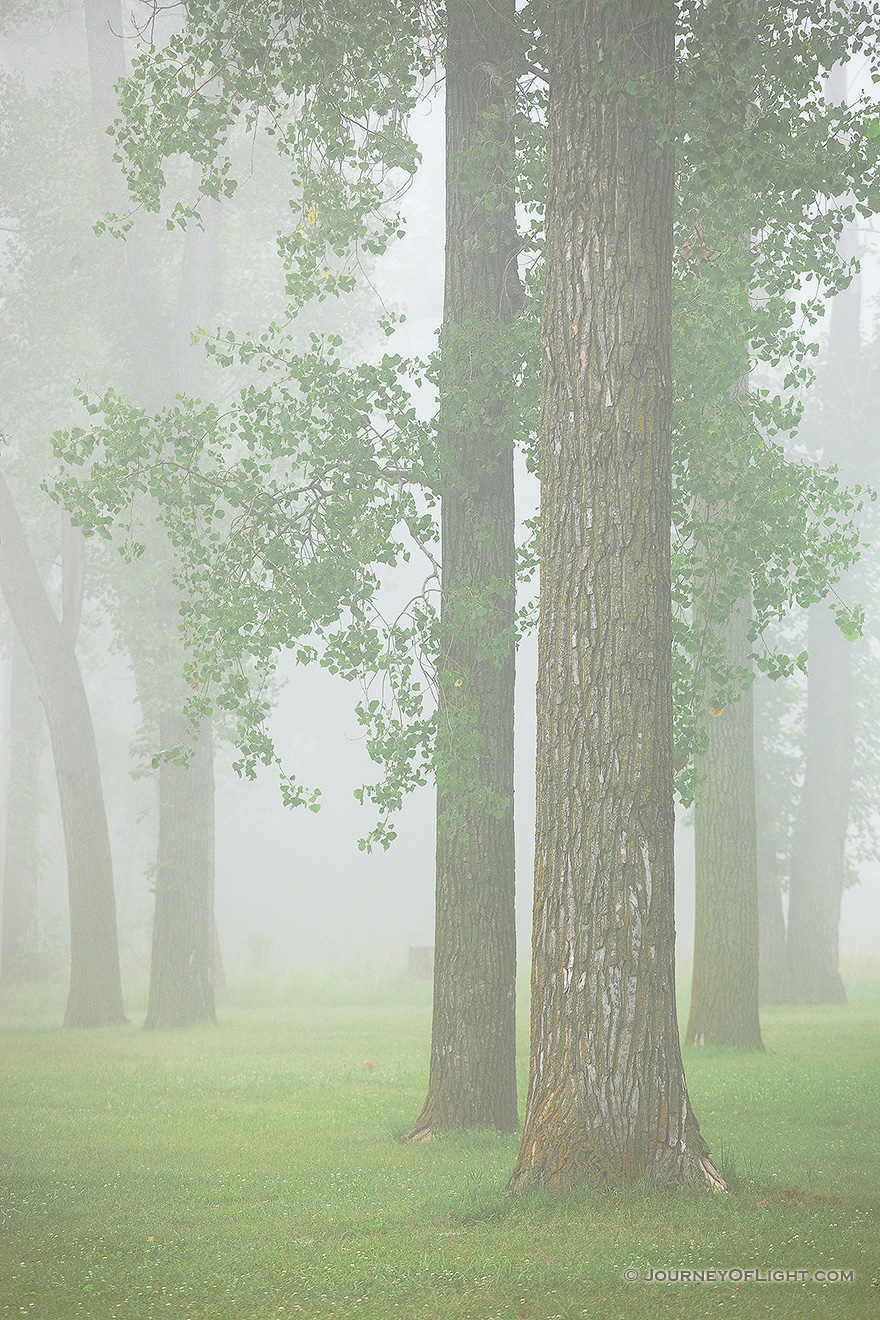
(607, 1097)
(817, 863)
(183, 942)
(724, 993)
(39, 222)
(95, 996)
(20, 931)
(773, 783)
(763, 72)
(473, 1075)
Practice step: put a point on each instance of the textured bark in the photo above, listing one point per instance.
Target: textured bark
(819, 836)
(724, 993)
(20, 948)
(95, 988)
(607, 1100)
(182, 971)
(472, 1077)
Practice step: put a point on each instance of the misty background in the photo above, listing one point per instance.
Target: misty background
(292, 888)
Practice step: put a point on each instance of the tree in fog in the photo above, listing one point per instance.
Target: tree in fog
(95, 991)
(183, 940)
(818, 843)
(473, 1078)
(753, 250)
(472, 1072)
(95, 996)
(123, 310)
(607, 1098)
(20, 946)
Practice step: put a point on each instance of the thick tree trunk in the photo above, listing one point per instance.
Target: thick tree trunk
(20, 948)
(472, 1077)
(819, 836)
(724, 993)
(607, 1099)
(95, 986)
(182, 972)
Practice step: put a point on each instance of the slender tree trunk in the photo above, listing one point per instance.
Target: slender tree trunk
(724, 994)
(472, 1077)
(95, 987)
(607, 1099)
(163, 361)
(772, 957)
(182, 970)
(20, 949)
(819, 836)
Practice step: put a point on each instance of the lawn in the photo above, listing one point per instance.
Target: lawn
(251, 1171)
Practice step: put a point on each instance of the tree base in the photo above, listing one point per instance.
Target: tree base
(743, 1041)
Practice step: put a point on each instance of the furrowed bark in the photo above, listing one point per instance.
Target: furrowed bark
(607, 1099)
(95, 988)
(472, 1080)
(724, 994)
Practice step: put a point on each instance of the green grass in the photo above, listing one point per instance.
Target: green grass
(252, 1171)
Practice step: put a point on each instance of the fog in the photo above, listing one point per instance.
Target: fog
(257, 1101)
(292, 888)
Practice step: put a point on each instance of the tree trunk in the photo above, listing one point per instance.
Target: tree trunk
(95, 987)
(183, 960)
(819, 836)
(20, 949)
(772, 958)
(724, 994)
(182, 971)
(472, 1076)
(607, 1100)
(219, 968)
(182, 975)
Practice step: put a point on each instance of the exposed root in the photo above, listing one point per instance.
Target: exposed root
(713, 1178)
(418, 1133)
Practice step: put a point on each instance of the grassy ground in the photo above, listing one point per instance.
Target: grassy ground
(251, 1171)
